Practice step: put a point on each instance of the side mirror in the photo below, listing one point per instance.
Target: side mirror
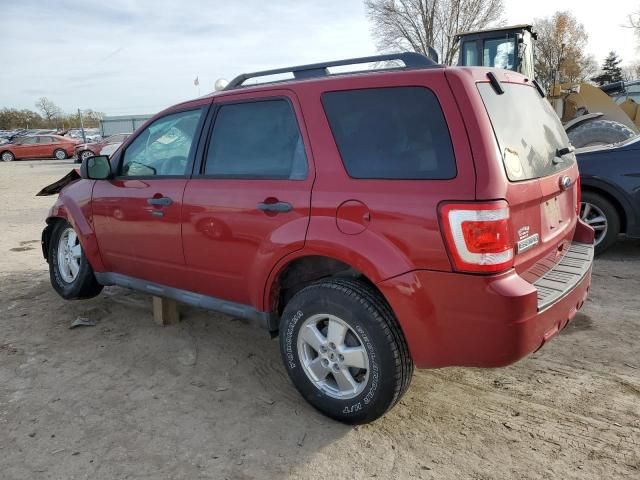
(96, 168)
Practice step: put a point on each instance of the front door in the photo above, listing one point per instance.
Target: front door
(137, 214)
(26, 147)
(249, 204)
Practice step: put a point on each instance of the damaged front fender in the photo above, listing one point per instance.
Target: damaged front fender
(58, 185)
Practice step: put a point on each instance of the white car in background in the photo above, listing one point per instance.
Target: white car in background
(110, 148)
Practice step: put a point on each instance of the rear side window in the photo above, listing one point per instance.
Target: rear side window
(391, 133)
(258, 140)
(527, 129)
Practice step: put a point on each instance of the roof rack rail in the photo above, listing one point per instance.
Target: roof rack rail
(410, 60)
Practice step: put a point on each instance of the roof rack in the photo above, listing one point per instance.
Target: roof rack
(410, 60)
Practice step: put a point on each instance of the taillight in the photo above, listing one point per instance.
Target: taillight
(578, 195)
(478, 235)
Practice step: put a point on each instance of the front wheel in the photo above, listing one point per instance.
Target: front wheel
(86, 154)
(69, 270)
(60, 154)
(8, 157)
(344, 351)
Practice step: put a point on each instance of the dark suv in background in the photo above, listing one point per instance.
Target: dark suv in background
(417, 215)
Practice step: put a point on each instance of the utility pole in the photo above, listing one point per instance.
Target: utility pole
(84, 138)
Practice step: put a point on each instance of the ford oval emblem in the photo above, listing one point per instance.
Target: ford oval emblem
(565, 182)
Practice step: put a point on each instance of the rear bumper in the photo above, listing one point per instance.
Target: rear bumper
(453, 319)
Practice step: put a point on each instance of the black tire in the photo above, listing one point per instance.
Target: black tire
(610, 213)
(599, 132)
(84, 285)
(7, 156)
(59, 154)
(364, 311)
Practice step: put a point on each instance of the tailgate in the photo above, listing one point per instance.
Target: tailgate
(541, 172)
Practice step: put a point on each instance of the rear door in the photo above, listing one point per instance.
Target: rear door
(46, 146)
(248, 205)
(542, 188)
(137, 214)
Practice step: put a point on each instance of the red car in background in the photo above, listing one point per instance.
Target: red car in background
(38, 146)
(87, 150)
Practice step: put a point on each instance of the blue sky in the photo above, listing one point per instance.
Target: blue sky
(126, 57)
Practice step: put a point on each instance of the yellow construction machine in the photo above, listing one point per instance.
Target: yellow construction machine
(590, 116)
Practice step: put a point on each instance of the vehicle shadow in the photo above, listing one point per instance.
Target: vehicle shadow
(209, 392)
(623, 250)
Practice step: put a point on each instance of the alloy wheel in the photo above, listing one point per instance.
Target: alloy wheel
(86, 154)
(593, 216)
(69, 255)
(333, 356)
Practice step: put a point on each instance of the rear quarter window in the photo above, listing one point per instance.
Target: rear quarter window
(391, 133)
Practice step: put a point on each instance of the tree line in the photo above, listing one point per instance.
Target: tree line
(561, 57)
(48, 115)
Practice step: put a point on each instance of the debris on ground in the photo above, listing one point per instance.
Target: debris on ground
(83, 322)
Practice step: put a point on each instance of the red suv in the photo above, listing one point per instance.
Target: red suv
(418, 215)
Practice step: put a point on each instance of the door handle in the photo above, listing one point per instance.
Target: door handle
(160, 202)
(277, 207)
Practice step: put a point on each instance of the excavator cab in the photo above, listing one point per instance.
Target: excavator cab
(510, 48)
(589, 115)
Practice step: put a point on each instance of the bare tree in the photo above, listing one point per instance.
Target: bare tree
(633, 21)
(50, 111)
(631, 72)
(458, 16)
(416, 25)
(560, 50)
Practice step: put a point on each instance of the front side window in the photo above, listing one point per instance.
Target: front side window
(391, 133)
(163, 148)
(500, 53)
(259, 139)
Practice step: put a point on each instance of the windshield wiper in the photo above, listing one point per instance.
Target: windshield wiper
(561, 152)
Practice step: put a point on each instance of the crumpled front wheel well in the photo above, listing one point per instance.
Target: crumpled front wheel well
(46, 235)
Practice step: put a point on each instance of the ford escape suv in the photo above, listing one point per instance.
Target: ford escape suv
(374, 220)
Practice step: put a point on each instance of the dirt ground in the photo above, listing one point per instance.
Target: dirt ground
(209, 398)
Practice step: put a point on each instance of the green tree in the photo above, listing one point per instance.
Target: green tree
(611, 70)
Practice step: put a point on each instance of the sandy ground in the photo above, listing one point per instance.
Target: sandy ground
(208, 398)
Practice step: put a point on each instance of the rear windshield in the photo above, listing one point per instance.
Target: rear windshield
(527, 129)
(391, 133)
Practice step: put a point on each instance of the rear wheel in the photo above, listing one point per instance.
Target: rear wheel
(8, 157)
(60, 154)
(599, 132)
(602, 216)
(344, 351)
(69, 270)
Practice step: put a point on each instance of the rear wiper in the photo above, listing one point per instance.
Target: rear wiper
(561, 152)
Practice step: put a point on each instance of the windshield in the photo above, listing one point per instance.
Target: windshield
(500, 53)
(528, 131)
